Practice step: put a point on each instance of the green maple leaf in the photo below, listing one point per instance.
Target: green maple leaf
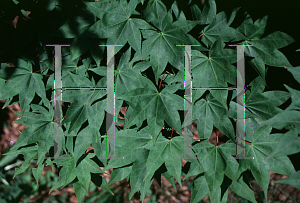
(119, 27)
(128, 143)
(23, 82)
(161, 45)
(262, 144)
(40, 130)
(215, 70)
(127, 78)
(66, 173)
(219, 29)
(29, 154)
(207, 15)
(265, 50)
(264, 105)
(216, 162)
(293, 179)
(199, 190)
(149, 103)
(84, 169)
(211, 112)
(166, 151)
(81, 109)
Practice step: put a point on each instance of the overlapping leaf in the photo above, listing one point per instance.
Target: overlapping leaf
(169, 152)
(210, 112)
(217, 162)
(23, 82)
(161, 44)
(150, 103)
(120, 27)
(261, 145)
(215, 70)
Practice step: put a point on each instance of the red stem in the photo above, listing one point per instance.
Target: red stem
(161, 81)
(40, 70)
(217, 137)
(58, 119)
(244, 141)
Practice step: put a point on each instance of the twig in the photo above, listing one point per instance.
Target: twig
(58, 119)
(244, 141)
(39, 70)
(161, 81)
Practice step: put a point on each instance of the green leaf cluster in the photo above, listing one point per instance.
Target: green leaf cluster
(149, 82)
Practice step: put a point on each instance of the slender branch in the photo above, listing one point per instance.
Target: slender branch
(244, 141)
(161, 81)
(39, 70)
(200, 35)
(217, 137)
(58, 119)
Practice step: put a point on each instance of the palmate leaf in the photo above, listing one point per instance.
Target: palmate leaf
(212, 112)
(81, 109)
(40, 130)
(150, 103)
(264, 49)
(126, 77)
(128, 144)
(23, 82)
(207, 15)
(261, 145)
(219, 29)
(29, 154)
(66, 173)
(215, 70)
(119, 27)
(161, 45)
(216, 162)
(264, 105)
(84, 169)
(166, 151)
